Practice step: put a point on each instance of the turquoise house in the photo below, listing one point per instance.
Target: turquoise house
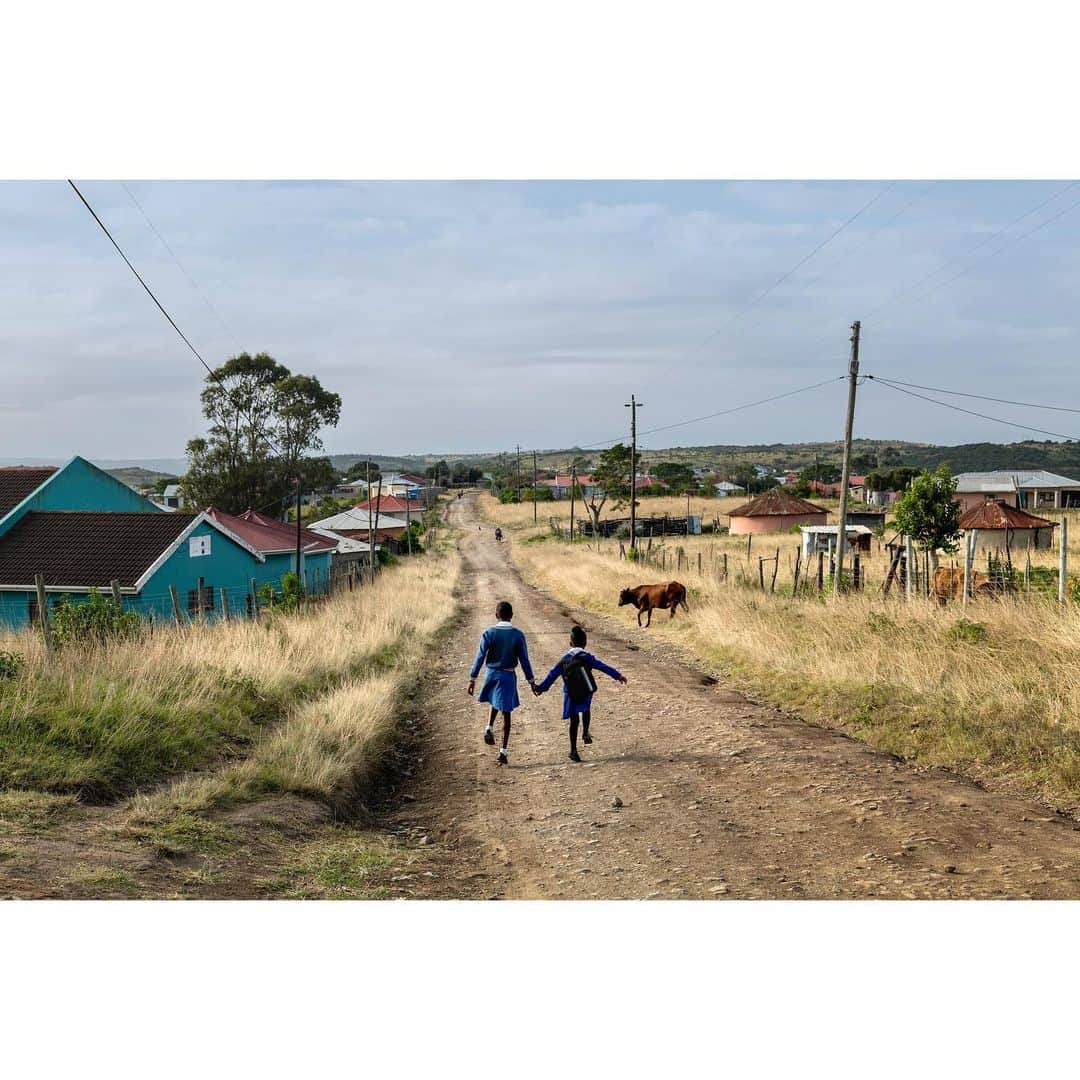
(81, 529)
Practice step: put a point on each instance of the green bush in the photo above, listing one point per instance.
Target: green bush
(288, 599)
(10, 664)
(968, 631)
(633, 554)
(94, 621)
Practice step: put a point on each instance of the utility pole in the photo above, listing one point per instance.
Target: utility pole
(633, 406)
(534, 487)
(518, 448)
(370, 530)
(853, 381)
(299, 576)
(573, 485)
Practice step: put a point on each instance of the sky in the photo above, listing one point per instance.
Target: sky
(475, 316)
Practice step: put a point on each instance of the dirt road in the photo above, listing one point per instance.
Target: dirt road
(720, 797)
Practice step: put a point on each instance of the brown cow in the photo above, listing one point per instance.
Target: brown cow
(949, 584)
(647, 597)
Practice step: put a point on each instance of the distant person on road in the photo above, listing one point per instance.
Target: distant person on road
(502, 648)
(576, 669)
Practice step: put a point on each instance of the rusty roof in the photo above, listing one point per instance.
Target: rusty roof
(19, 481)
(998, 514)
(777, 503)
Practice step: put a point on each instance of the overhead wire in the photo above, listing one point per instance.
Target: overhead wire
(968, 394)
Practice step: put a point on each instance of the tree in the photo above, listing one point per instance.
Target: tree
(928, 513)
(360, 470)
(263, 422)
(678, 476)
(611, 480)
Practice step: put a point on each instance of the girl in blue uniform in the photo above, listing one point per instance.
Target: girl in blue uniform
(576, 669)
(502, 648)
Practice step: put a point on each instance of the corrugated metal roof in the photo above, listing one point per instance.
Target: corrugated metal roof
(358, 519)
(999, 515)
(777, 503)
(998, 480)
(267, 535)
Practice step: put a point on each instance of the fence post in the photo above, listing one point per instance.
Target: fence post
(175, 605)
(699, 563)
(43, 614)
(909, 569)
(117, 595)
(969, 553)
(775, 571)
(820, 570)
(795, 580)
(725, 566)
(1063, 558)
(225, 603)
(199, 587)
(254, 600)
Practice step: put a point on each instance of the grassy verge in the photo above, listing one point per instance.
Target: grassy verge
(990, 691)
(101, 723)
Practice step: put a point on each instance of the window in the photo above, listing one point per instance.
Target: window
(198, 545)
(207, 600)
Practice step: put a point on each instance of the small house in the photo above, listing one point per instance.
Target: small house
(560, 486)
(78, 552)
(393, 505)
(726, 489)
(817, 538)
(775, 511)
(358, 524)
(1001, 527)
(1030, 489)
(349, 553)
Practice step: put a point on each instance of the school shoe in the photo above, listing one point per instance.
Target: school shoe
(502, 759)
(489, 736)
(574, 755)
(587, 739)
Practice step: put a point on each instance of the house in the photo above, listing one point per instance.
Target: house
(560, 486)
(726, 489)
(78, 552)
(1028, 489)
(775, 511)
(817, 538)
(276, 542)
(1002, 527)
(393, 505)
(76, 485)
(874, 520)
(172, 497)
(405, 486)
(349, 553)
(357, 525)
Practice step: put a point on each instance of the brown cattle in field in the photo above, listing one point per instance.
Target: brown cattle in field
(949, 584)
(647, 597)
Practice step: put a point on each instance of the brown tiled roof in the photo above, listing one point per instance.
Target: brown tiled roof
(999, 515)
(775, 503)
(16, 483)
(86, 548)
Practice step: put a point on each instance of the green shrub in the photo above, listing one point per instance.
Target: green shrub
(94, 621)
(968, 631)
(288, 599)
(633, 554)
(10, 664)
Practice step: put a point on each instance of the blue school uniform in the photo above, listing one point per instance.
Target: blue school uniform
(570, 707)
(502, 648)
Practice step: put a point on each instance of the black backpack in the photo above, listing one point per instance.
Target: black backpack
(579, 679)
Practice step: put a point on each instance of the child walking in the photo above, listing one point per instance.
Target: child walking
(502, 648)
(576, 669)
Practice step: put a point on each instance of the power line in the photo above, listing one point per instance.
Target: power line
(982, 243)
(176, 259)
(802, 262)
(981, 397)
(722, 412)
(972, 412)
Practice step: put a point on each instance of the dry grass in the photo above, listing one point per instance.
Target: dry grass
(990, 690)
(101, 722)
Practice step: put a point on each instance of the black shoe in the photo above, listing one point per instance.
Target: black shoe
(489, 736)
(586, 738)
(574, 755)
(502, 759)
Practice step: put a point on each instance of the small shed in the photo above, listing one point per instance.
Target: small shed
(775, 511)
(872, 519)
(817, 538)
(1001, 527)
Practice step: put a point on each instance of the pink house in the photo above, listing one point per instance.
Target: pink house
(775, 511)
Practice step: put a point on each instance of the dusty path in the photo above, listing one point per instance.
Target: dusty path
(720, 796)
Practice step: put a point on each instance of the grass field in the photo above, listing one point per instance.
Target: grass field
(296, 703)
(990, 690)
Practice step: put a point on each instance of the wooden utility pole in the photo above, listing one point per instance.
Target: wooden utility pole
(1063, 558)
(534, 487)
(375, 532)
(845, 468)
(43, 614)
(573, 485)
(298, 546)
(518, 472)
(633, 406)
(370, 530)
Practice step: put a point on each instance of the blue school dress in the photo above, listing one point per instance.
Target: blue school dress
(502, 648)
(569, 707)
